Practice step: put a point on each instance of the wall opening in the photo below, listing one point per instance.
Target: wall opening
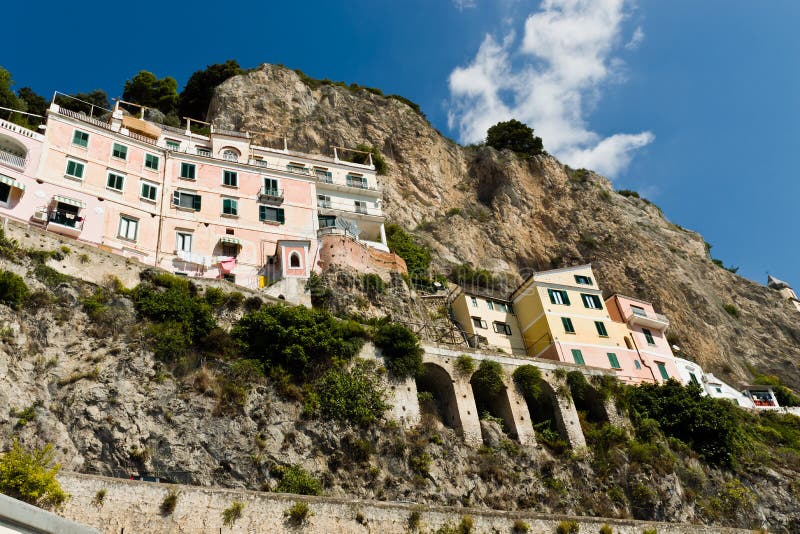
(548, 425)
(491, 396)
(588, 402)
(435, 388)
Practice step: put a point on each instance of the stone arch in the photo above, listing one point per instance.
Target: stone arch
(545, 409)
(586, 398)
(9, 144)
(497, 405)
(438, 382)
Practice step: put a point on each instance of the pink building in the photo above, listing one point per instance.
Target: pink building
(646, 335)
(215, 206)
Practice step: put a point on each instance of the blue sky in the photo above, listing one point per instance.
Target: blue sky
(691, 102)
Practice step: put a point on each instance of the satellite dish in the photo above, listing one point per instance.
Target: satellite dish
(349, 227)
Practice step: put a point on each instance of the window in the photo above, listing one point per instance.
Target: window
(638, 310)
(585, 280)
(128, 227)
(203, 151)
(230, 178)
(151, 162)
(115, 181)
(612, 359)
(230, 206)
(663, 370)
(230, 155)
(230, 249)
(271, 187)
(323, 201)
(80, 138)
(648, 336)
(327, 221)
(637, 364)
(5, 193)
(501, 306)
(267, 213)
(601, 329)
(173, 145)
(567, 322)
(75, 169)
(190, 201)
(294, 260)
(119, 151)
(502, 328)
(183, 241)
(149, 191)
(577, 356)
(474, 302)
(477, 322)
(296, 168)
(591, 301)
(719, 390)
(356, 181)
(490, 305)
(323, 176)
(361, 206)
(188, 171)
(694, 379)
(558, 296)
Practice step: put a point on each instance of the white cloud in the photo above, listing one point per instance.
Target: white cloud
(636, 39)
(461, 5)
(548, 80)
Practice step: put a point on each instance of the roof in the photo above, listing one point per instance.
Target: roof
(531, 277)
(774, 283)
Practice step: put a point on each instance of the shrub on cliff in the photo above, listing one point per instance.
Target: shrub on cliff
(527, 377)
(13, 290)
(515, 136)
(177, 304)
(488, 379)
(30, 476)
(417, 257)
(295, 479)
(353, 396)
(301, 341)
(401, 350)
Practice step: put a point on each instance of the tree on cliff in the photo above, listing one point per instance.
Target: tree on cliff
(515, 136)
(147, 90)
(196, 96)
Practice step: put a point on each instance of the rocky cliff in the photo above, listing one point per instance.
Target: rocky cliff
(512, 217)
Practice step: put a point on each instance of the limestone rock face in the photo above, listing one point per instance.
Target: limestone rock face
(514, 216)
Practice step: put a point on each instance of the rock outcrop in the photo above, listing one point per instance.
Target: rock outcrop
(513, 216)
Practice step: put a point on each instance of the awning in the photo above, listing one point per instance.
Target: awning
(11, 182)
(70, 201)
(229, 239)
(145, 128)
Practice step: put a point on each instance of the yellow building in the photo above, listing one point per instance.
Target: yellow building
(562, 316)
(487, 322)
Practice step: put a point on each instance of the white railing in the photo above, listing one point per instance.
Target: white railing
(16, 128)
(12, 159)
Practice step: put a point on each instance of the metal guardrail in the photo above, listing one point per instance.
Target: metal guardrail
(12, 159)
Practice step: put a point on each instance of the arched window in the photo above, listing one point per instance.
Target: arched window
(294, 260)
(230, 155)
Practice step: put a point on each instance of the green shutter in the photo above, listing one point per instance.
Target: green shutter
(550, 293)
(262, 213)
(578, 357)
(663, 370)
(601, 329)
(648, 336)
(281, 216)
(196, 202)
(565, 297)
(612, 359)
(567, 322)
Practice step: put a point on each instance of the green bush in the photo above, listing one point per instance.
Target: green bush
(169, 502)
(605, 529)
(232, 513)
(300, 341)
(381, 167)
(731, 310)
(176, 303)
(13, 290)
(466, 525)
(349, 396)
(49, 276)
(416, 256)
(528, 378)
(295, 479)
(467, 276)
(169, 340)
(401, 350)
(373, 284)
(568, 527)
(465, 365)
(515, 136)
(420, 463)
(320, 293)
(489, 378)
(520, 527)
(30, 476)
(298, 513)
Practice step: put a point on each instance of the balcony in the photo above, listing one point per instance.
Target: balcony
(12, 160)
(270, 194)
(362, 210)
(64, 222)
(324, 204)
(648, 319)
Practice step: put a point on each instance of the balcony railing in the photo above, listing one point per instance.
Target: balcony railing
(270, 194)
(362, 210)
(357, 183)
(649, 319)
(12, 159)
(65, 219)
(326, 204)
(16, 128)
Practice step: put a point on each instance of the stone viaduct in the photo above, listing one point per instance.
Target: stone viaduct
(459, 404)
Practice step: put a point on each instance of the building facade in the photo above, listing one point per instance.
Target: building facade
(487, 321)
(212, 205)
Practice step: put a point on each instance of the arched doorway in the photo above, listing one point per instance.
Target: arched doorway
(437, 382)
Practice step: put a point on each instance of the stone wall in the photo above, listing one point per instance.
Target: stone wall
(130, 507)
(338, 249)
